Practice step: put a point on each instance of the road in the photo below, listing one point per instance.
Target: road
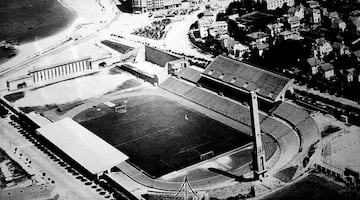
(332, 97)
(68, 186)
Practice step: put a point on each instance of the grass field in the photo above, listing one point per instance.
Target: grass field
(160, 135)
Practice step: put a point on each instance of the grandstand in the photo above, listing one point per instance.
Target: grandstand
(230, 73)
(300, 120)
(158, 57)
(93, 155)
(121, 48)
(189, 74)
(283, 134)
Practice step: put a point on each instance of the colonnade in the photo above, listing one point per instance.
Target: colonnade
(60, 70)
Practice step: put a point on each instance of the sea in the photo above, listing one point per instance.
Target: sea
(23, 21)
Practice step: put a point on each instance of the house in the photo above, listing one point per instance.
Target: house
(274, 29)
(300, 12)
(357, 55)
(327, 70)
(273, 4)
(227, 42)
(333, 15)
(340, 49)
(351, 75)
(315, 16)
(294, 23)
(314, 64)
(297, 11)
(258, 37)
(207, 14)
(323, 47)
(258, 40)
(338, 24)
(208, 26)
(355, 19)
(218, 28)
(286, 35)
(204, 24)
(240, 49)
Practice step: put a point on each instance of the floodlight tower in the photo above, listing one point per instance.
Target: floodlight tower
(259, 164)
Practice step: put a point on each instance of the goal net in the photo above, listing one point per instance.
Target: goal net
(120, 109)
(207, 155)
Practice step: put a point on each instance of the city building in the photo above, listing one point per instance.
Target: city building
(240, 50)
(323, 48)
(273, 4)
(357, 55)
(355, 19)
(218, 28)
(153, 5)
(299, 12)
(327, 70)
(274, 29)
(204, 24)
(294, 23)
(315, 16)
(258, 40)
(227, 42)
(352, 75)
(314, 64)
(208, 26)
(286, 35)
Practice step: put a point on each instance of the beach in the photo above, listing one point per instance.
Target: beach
(24, 21)
(27, 21)
(88, 18)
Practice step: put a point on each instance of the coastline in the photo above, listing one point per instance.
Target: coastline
(87, 20)
(17, 46)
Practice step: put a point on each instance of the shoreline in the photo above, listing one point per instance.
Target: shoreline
(87, 20)
(18, 46)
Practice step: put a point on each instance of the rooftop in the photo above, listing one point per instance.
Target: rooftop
(357, 53)
(326, 66)
(247, 77)
(33, 192)
(257, 35)
(208, 13)
(189, 74)
(59, 64)
(158, 57)
(314, 61)
(26, 76)
(83, 146)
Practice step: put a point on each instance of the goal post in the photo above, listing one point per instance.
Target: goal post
(207, 155)
(120, 108)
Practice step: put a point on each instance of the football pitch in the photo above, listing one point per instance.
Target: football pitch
(160, 135)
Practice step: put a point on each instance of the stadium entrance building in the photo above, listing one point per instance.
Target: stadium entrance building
(89, 153)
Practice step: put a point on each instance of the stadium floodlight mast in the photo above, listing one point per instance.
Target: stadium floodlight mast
(259, 162)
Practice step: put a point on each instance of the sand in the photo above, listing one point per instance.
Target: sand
(85, 24)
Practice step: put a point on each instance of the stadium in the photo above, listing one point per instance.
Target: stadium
(193, 123)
